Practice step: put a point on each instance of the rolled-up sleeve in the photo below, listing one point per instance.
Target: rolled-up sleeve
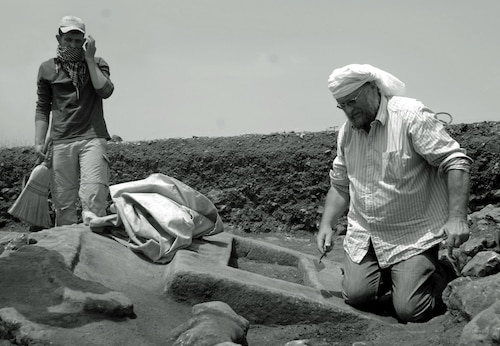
(108, 87)
(338, 174)
(434, 144)
(457, 162)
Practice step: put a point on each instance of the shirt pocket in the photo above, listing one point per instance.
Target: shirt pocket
(394, 165)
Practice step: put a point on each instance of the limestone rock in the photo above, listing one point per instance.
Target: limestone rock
(212, 323)
(20, 331)
(484, 328)
(304, 342)
(43, 287)
(474, 246)
(113, 304)
(466, 297)
(490, 211)
(483, 264)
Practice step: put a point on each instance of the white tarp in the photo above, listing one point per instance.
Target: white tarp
(160, 215)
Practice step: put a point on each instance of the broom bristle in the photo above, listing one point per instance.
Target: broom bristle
(32, 205)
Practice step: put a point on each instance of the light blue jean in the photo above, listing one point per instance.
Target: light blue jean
(416, 284)
(79, 170)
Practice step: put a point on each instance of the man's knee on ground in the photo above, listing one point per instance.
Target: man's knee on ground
(413, 311)
(358, 296)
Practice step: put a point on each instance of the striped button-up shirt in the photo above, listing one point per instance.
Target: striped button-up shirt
(394, 176)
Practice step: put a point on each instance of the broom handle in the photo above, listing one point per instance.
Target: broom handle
(46, 146)
(49, 152)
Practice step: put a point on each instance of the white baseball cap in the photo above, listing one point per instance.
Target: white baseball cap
(69, 23)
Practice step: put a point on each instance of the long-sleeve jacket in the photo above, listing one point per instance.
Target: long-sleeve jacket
(76, 114)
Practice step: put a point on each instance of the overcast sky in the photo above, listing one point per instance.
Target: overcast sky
(229, 67)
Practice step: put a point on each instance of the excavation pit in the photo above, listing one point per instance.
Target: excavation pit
(229, 268)
(265, 261)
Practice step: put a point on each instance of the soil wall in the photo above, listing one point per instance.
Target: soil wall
(260, 183)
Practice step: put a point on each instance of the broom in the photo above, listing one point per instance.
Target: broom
(32, 205)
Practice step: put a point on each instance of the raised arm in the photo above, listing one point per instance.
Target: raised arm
(101, 82)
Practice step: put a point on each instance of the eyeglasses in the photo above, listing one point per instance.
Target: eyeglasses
(351, 102)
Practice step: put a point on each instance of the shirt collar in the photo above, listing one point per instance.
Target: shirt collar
(382, 110)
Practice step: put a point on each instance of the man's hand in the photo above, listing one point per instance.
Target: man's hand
(89, 48)
(324, 239)
(336, 204)
(456, 230)
(40, 152)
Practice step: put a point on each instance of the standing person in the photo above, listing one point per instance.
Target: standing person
(405, 182)
(72, 86)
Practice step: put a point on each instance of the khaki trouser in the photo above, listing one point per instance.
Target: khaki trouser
(416, 284)
(80, 170)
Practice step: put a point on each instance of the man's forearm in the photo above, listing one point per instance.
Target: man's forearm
(41, 128)
(336, 204)
(98, 78)
(458, 193)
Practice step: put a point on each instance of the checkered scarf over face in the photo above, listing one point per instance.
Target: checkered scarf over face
(72, 60)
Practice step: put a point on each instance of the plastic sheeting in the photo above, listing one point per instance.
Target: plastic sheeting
(160, 215)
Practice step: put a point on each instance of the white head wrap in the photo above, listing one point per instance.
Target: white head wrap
(347, 79)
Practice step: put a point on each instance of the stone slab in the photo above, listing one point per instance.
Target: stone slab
(202, 273)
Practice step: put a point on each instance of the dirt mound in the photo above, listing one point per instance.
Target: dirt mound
(259, 183)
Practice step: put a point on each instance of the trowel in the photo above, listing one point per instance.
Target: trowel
(318, 263)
